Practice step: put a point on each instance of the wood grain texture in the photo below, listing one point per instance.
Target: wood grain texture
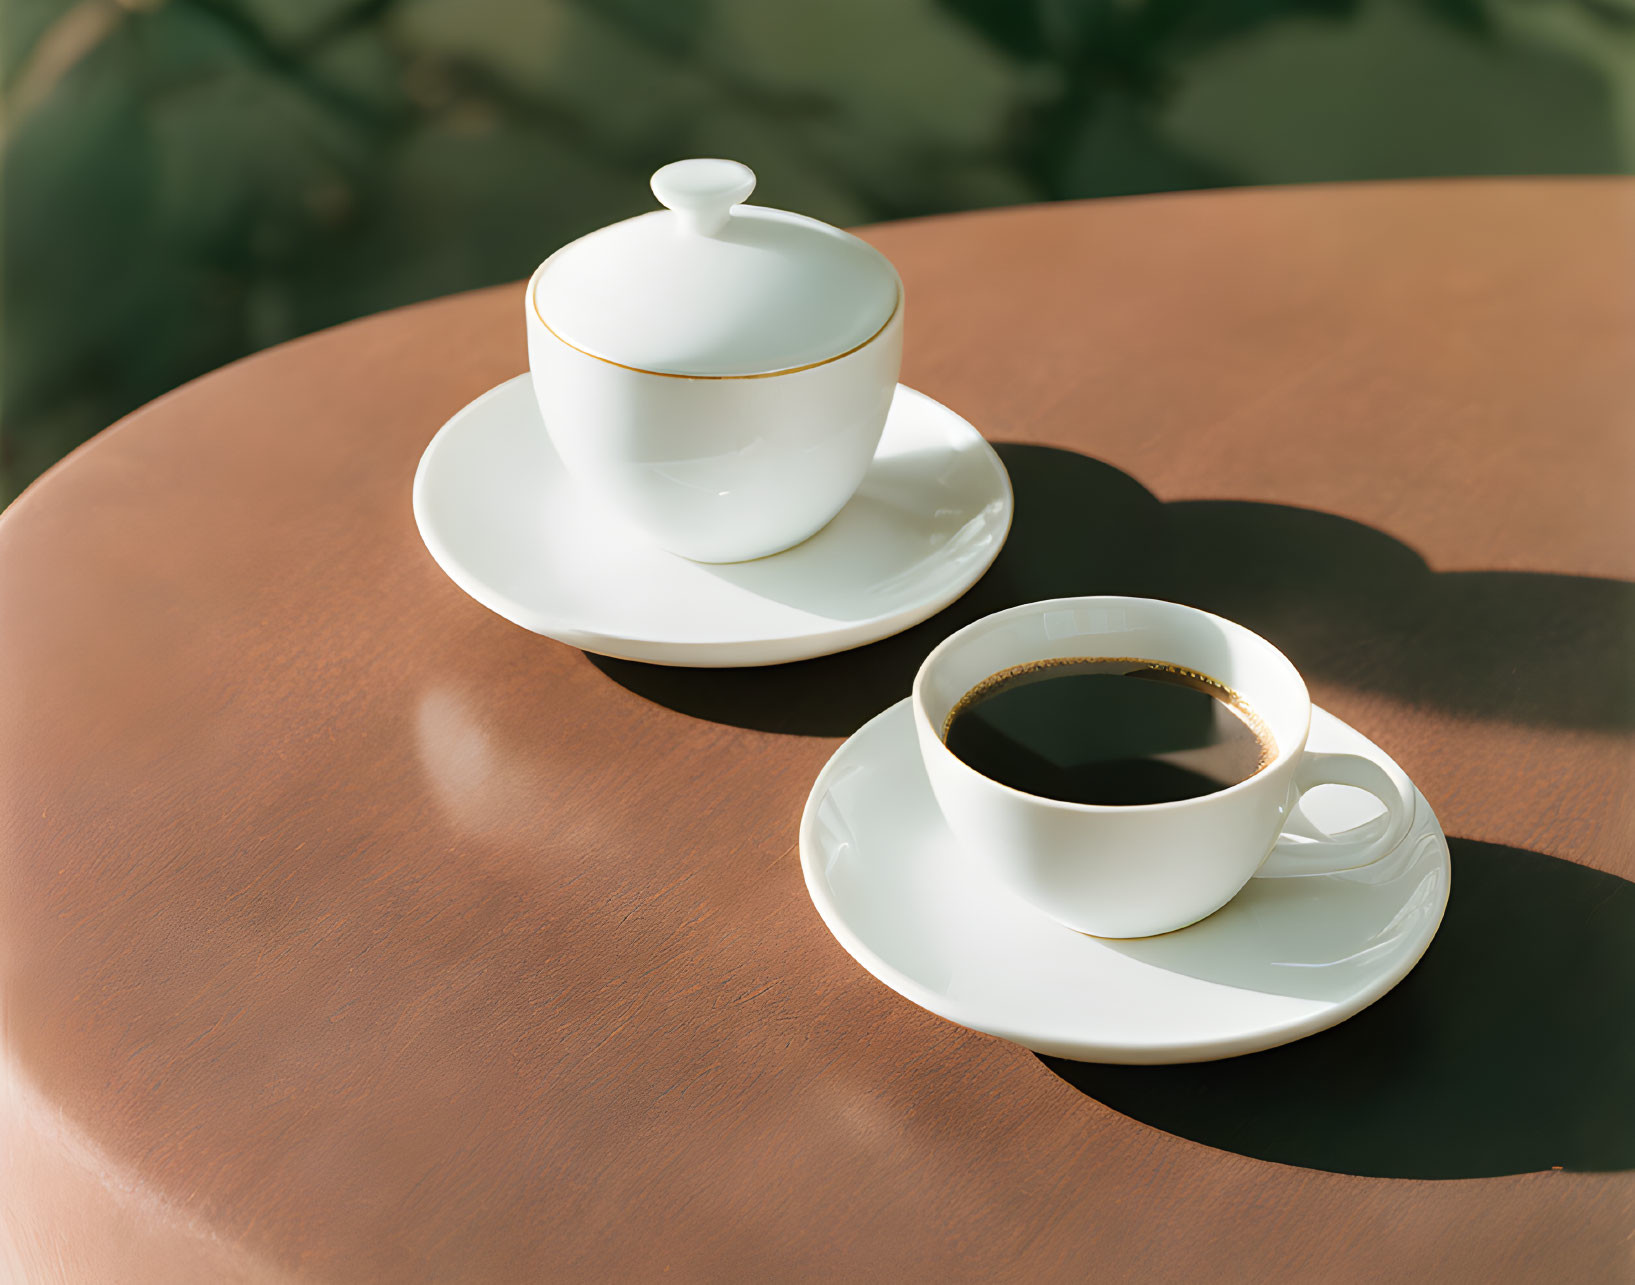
(350, 933)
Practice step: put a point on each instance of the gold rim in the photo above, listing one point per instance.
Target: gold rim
(533, 302)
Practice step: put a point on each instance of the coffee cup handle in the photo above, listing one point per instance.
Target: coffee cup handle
(1293, 856)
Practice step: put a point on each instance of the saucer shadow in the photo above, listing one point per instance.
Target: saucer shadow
(1067, 536)
(1510, 1048)
(1348, 604)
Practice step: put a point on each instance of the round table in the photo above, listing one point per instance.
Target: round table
(351, 933)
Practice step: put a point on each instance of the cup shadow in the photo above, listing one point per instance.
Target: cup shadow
(1347, 603)
(1508, 1049)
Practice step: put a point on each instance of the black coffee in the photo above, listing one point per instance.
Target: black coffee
(1108, 731)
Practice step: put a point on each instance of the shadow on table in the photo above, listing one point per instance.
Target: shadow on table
(1509, 1049)
(1347, 603)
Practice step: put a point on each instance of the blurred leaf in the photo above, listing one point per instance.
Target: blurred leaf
(1396, 94)
(1115, 149)
(1016, 26)
(676, 25)
(1469, 16)
(78, 186)
(22, 24)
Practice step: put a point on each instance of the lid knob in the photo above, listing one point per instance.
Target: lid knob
(703, 191)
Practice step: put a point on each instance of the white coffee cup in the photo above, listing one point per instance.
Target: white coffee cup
(1138, 870)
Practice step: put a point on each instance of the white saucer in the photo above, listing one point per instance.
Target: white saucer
(1286, 958)
(503, 520)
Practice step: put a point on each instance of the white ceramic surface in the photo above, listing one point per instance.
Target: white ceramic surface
(712, 287)
(1152, 868)
(1286, 958)
(503, 519)
(719, 373)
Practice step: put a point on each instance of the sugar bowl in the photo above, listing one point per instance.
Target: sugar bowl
(716, 372)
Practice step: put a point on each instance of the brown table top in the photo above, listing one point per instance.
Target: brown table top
(349, 932)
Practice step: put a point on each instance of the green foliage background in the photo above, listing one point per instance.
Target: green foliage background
(186, 181)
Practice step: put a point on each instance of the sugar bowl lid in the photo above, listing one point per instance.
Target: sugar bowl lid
(710, 287)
